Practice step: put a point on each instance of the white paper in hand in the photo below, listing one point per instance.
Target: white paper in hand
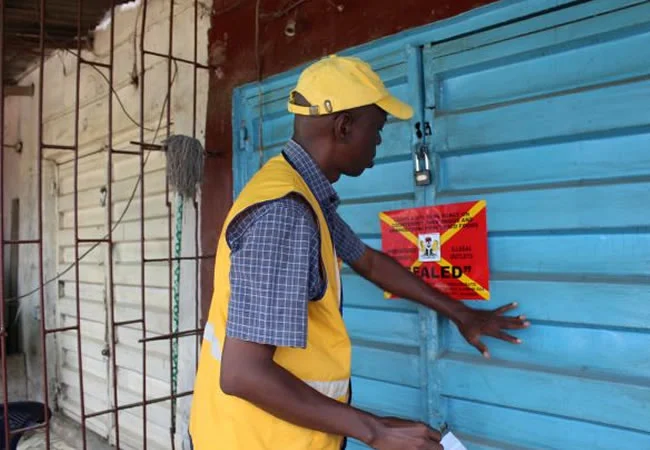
(451, 442)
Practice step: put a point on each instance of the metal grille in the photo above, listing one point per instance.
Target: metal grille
(137, 154)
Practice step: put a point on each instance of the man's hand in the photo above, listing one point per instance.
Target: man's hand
(248, 371)
(473, 324)
(389, 275)
(398, 434)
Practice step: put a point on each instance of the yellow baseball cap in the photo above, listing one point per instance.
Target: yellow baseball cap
(339, 83)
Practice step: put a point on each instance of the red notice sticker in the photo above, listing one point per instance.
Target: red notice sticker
(445, 245)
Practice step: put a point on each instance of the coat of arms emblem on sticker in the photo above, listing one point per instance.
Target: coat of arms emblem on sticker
(429, 247)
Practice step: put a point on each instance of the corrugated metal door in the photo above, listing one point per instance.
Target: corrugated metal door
(547, 119)
(94, 294)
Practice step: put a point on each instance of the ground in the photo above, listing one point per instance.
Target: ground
(65, 435)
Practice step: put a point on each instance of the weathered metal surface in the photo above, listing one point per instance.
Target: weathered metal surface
(559, 153)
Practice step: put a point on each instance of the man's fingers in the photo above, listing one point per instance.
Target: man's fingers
(513, 323)
(507, 337)
(506, 308)
(434, 435)
(480, 346)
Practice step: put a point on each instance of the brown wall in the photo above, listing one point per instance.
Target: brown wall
(320, 29)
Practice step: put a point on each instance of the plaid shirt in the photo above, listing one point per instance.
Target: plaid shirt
(275, 259)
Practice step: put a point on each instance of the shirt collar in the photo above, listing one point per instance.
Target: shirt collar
(312, 174)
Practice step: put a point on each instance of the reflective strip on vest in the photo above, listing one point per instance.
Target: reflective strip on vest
(211, 337)
(338, 278)
(332, 389)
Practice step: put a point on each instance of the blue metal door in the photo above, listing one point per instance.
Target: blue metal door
(542, 110)
(548, 120)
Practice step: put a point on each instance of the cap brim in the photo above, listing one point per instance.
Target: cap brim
(396, 107)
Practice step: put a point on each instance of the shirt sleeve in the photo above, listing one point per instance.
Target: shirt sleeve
(348, 245)
(269, 275)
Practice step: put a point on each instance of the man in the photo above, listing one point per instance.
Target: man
(274, 370)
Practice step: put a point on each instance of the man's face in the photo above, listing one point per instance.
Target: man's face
(358, 150)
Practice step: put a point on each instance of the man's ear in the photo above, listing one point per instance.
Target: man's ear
(343, 126)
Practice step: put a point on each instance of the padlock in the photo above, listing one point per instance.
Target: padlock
(422, 175)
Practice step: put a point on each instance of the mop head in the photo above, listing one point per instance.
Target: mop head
(185, 159)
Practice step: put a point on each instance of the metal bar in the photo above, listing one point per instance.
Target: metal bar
(96, 63)
(157, 147)
(3, 335)
(18, 146)
(21, 241)
(127, 322)
(172, 428)
(82, 401)
(125, 152)
(109, 224)
(18, 91)
(182, 258)
(197, 307)
(93, 241)
(138, 404)
(26, 429)
(60, 330)
(143, 304)
(41, 281)
(177, 59)
(85, 155)
(163, 337)
(146, 145)
(56, 39)
(59, 147)
(197, 266)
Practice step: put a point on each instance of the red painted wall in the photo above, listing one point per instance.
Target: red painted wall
(322, 27)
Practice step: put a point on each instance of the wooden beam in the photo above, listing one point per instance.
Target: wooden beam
(19, 91)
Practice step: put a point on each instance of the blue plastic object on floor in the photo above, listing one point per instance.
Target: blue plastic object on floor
(21, 415)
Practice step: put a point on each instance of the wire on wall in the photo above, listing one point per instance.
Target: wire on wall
(126, 208)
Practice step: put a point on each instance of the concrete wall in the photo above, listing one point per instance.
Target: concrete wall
(21, 182)
(21, 122)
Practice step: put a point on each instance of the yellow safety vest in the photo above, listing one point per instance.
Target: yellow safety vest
(223, 422)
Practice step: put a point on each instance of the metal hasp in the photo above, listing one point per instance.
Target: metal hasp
(421, 156)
